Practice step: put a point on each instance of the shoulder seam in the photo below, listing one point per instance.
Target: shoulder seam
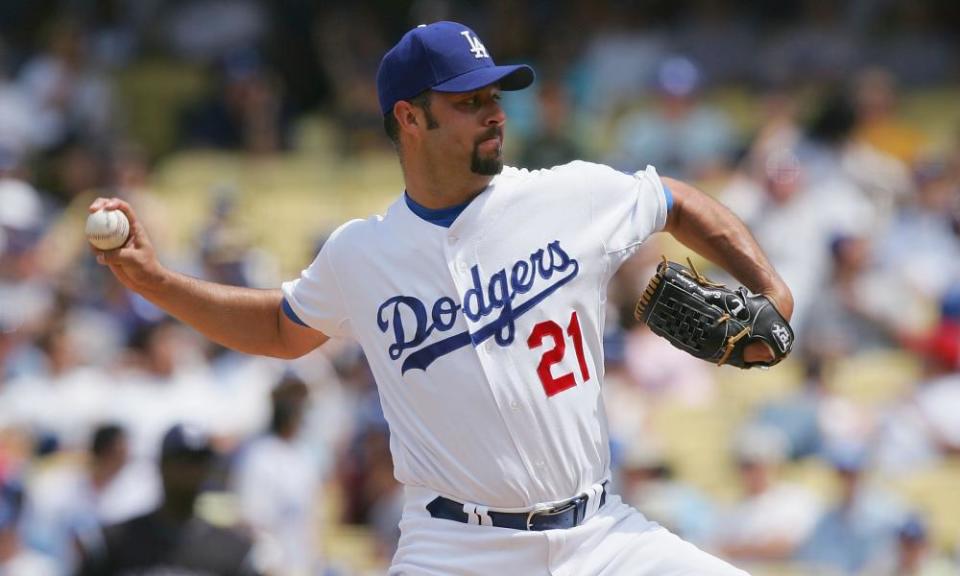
(336, 276)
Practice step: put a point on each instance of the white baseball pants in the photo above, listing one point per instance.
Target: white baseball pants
(617, 541)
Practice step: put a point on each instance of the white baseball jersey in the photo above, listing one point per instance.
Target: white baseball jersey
(485, 337)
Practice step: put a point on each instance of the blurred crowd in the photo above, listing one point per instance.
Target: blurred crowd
(112, 414)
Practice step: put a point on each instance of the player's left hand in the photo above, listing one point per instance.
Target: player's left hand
(761, 351)
(758, 352)
(714, 323)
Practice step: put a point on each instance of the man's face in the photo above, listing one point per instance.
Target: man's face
(467, 127)
(184, 475)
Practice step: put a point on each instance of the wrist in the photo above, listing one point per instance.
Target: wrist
(156, 280)
(782, 300)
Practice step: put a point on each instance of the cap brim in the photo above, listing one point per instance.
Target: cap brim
(515, 77)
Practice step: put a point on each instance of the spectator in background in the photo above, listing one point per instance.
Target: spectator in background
(207, 30)
(941, 343)
(618, 62)
(816, 418)
(70, 98)
(797, 416)
(166, 379)
(779, 129)
(860, 528)
(818, 154)
(223, 244)
(349, 44)
(876, 99)
(648, 483)
(22, 207)
(68, 503)
(708, 24)
(76, 168)
(816, 47)
(862, 307)
(227, 252)
(773, 517)
(15, 558)
(246, 113)
(383, 494)
(920, 50)
(27, 297)
(16, 111)
(922, 245)
(923, 428)
(681, 135)
(372, 495)
(552, 144)
(861, 184)
(664, 373)
(172, 538)
(64, 397)
(11, 344)
(277, 481)
(915, 555)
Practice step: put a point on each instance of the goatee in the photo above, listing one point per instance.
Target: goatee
(487, 166)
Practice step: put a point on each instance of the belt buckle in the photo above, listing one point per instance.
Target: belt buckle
(554, 510)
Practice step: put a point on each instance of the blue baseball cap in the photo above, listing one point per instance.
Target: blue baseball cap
(186, 441)
(913, 528)
(445, 57)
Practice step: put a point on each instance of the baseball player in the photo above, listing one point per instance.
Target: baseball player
(478, 298)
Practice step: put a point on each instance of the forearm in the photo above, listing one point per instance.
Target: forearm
(243, 319)
(710, 229)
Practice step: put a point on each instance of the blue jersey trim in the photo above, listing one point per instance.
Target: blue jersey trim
(667, 194)
(443, 217)
(288, 311)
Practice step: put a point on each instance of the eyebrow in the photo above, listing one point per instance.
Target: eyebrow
(479, 92)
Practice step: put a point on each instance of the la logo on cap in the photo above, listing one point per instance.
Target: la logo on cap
(476, 46)
(434, 57)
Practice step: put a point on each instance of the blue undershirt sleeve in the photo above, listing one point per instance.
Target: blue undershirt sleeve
(668, 195)
(288, 311)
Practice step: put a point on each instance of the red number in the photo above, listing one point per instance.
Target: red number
(551, 385)
(574, 331)
(554, 385)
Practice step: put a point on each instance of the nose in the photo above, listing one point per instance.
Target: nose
(496, 116)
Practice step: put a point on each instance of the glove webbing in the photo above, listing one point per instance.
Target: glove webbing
(731, 341)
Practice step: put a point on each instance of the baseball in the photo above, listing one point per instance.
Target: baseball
(107, 229)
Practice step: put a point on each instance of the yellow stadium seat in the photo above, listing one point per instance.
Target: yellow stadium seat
(874, 377)
(936, 493)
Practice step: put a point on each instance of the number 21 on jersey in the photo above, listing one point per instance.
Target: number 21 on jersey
(555, 384)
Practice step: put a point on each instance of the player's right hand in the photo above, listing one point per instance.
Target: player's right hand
(134, 264)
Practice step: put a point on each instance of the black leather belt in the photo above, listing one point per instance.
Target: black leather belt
(564, 515)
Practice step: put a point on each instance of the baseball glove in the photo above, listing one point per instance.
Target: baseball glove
(710, 321)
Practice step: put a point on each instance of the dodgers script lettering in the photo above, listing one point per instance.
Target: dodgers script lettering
(412, 322)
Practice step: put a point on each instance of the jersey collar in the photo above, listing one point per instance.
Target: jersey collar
(443, 217)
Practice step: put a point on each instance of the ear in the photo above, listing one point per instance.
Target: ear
(407, 116)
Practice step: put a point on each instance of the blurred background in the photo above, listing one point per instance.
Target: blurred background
(243, 131)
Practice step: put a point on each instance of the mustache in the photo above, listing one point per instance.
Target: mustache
(492, 132)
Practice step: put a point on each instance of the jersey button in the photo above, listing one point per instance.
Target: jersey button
(514, 405)
(461, 266)
(452, 239)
